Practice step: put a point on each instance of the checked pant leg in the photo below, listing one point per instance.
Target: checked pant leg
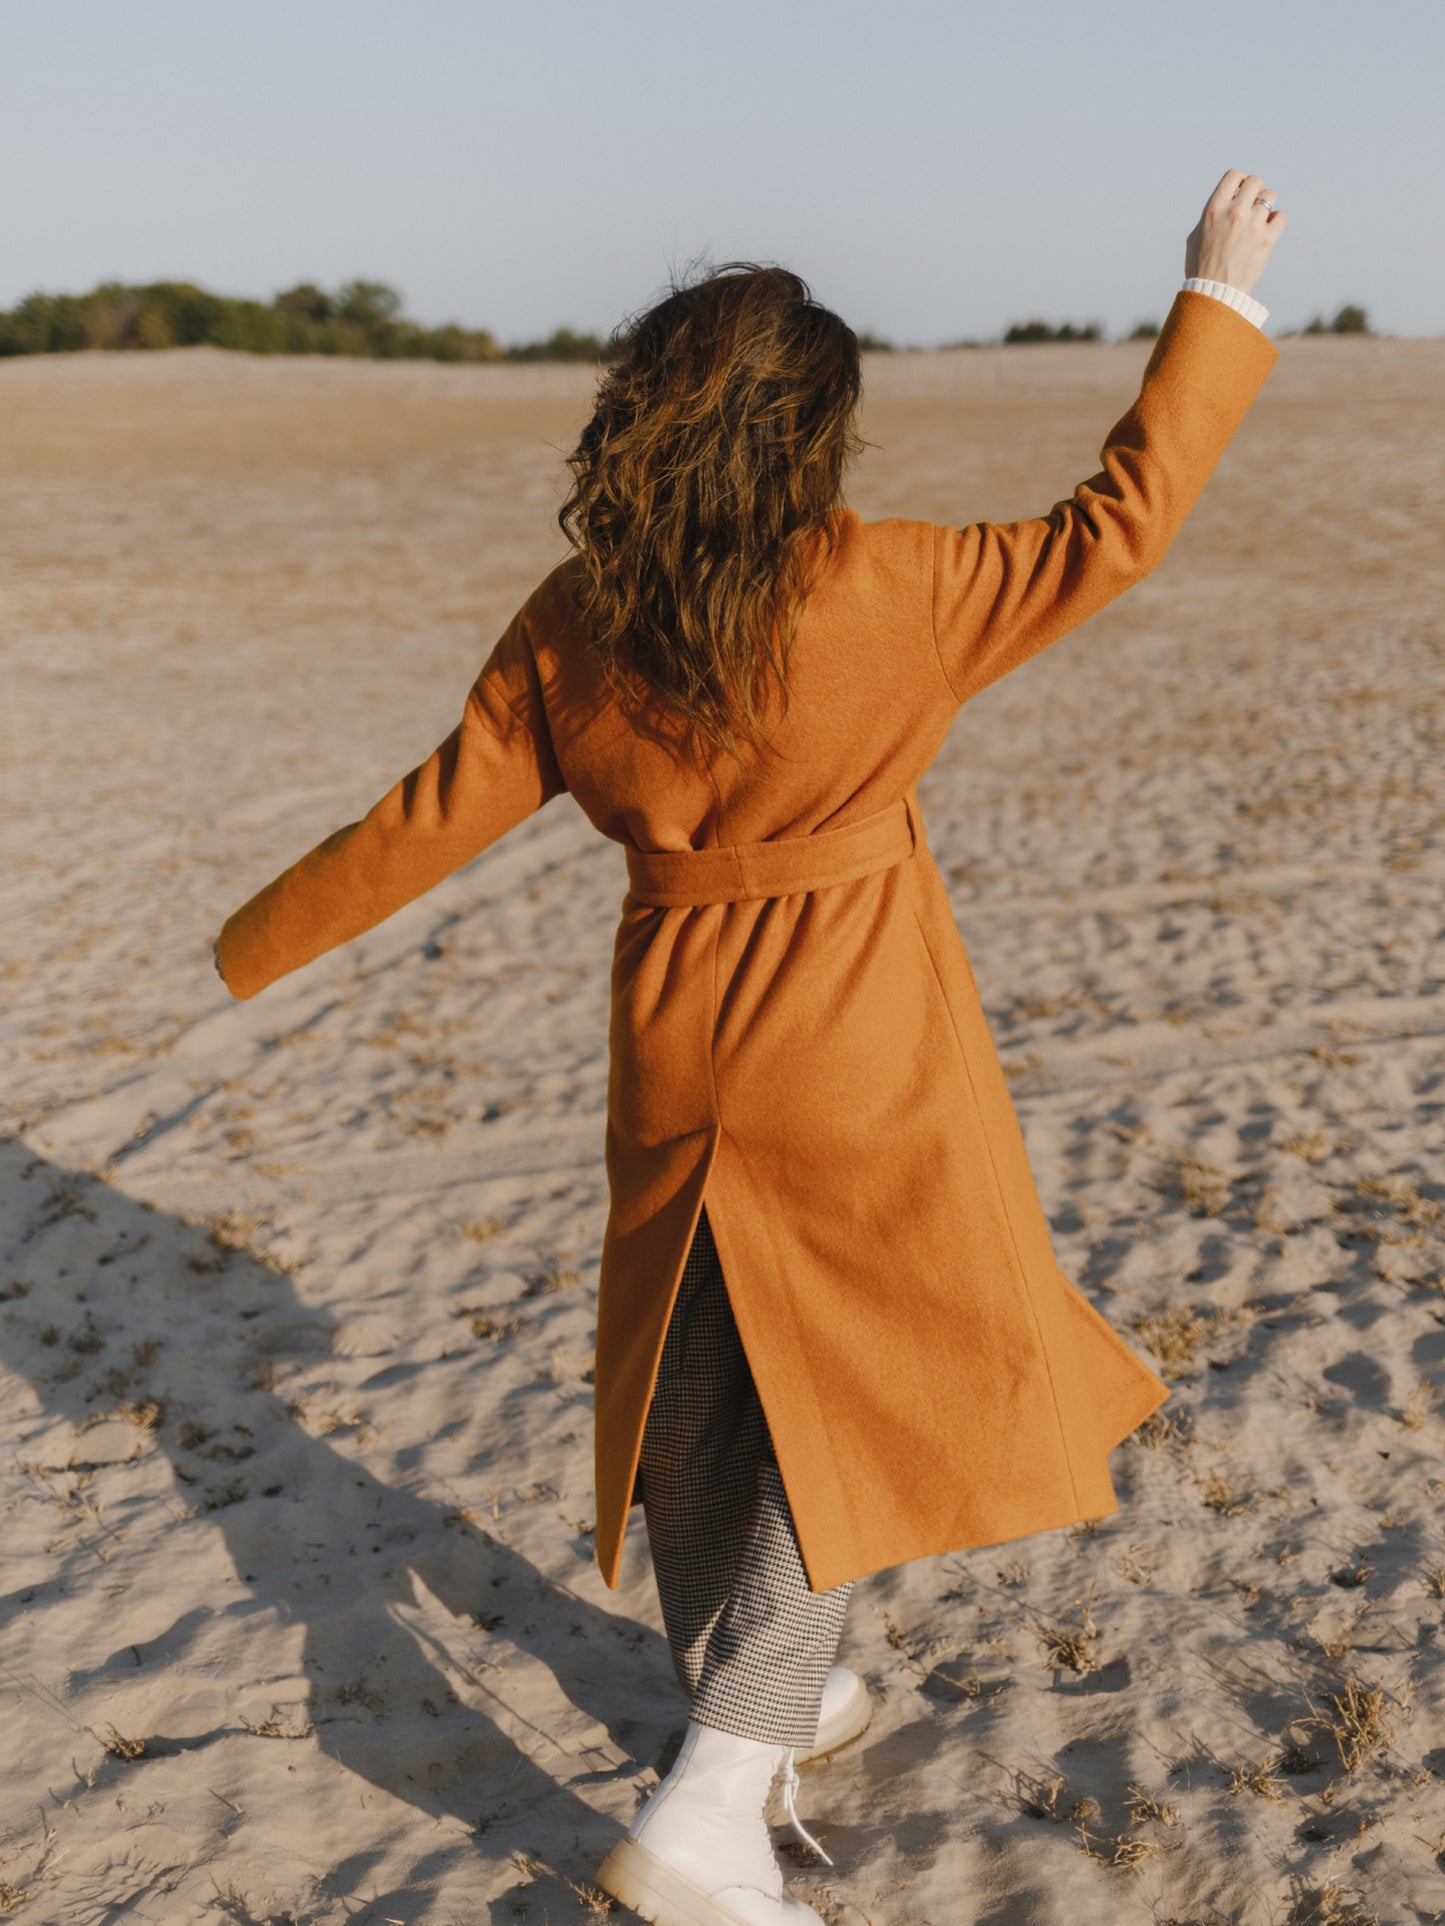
(751, 1642)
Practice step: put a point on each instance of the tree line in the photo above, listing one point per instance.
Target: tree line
(362, 318)
(366, 318)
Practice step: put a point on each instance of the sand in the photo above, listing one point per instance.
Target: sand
(300, 1615)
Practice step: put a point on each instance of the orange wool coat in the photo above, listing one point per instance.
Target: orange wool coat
(796, 1033)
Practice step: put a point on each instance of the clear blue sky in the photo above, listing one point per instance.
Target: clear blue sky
(935, 170)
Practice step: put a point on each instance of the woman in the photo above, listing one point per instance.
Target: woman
(831, 1332)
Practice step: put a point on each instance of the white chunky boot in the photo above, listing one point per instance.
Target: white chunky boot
(846, 1710)
(699, 1852)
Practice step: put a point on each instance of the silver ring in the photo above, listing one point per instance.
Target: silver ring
(1263, 200)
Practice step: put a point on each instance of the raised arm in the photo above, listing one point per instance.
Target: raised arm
(1003, 591)
(494, 769)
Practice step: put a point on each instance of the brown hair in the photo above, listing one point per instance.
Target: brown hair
(713, 459)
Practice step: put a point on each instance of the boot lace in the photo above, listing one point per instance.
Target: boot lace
(791, 1782)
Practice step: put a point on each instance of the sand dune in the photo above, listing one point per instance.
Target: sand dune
(299, 1616)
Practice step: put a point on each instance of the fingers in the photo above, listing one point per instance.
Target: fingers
(1240, 193)
(1273, 216)
(1227, 189)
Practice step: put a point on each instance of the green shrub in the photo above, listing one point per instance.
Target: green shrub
(1031, 331)
(1349, 320)
(307, 301)
(563, 344)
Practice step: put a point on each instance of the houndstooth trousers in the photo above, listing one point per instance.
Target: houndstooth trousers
(751, 1642)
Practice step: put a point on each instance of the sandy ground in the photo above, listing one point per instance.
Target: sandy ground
(300, 1618)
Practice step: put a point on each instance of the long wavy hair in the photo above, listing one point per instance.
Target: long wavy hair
(704, 491)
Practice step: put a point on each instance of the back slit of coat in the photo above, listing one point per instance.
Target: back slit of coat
(705, 1215)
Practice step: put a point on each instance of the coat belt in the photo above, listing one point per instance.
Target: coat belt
(789, 866)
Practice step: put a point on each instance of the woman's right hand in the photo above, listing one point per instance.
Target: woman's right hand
(1235, 234)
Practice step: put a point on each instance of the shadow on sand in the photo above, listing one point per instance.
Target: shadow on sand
(138, 1329)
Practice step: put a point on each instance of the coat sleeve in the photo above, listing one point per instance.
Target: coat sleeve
(1003, 591)
(494, 769)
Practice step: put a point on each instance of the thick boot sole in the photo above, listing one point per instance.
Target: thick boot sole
(642, 1881)
(845, 1724)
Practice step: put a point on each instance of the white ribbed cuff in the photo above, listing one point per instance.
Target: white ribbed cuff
(1235, 298)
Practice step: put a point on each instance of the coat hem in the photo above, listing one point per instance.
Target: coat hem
(938, 1545)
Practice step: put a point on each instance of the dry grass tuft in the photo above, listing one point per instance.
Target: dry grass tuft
(1327, 1906)
(1117, 1849)
(119, 1747)
(1051, 1799)
(1135, 1563)
(1397, 1191)
(1073, 1650)
(557, 1277)
(1015, 1067)
(87, 1340)
(464, 1515)
(1357, 1721)
(895, 1633)
(484, 1324)
(1387, 1210)
(357, 1692)
(1035, 1007)
(232, 1230)
(1174, 1336)
(237, 1230)
(596, 1903)
(274, 1729)
(146, 1414)
(1176, 1333)
(1219, 1497)
(484, 1230)
(1203, 1189)
(1144, 1805)
(951, 1681)
(1260, 1780)
(1313, 1146)
(1161, 1431)
(66, 1200)
(1339, 1644)
(1419, 1405)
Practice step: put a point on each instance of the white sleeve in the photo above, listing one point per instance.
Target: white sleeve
(1242, 303)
